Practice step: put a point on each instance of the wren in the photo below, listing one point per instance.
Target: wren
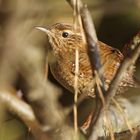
(63, 40)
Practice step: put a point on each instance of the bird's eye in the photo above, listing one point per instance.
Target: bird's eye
(65, 34)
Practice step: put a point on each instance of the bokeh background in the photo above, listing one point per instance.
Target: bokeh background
(116, 22)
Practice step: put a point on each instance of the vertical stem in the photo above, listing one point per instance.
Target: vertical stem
(76, 72)
(76, 90)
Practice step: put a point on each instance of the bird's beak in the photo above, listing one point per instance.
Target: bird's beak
(45, 30)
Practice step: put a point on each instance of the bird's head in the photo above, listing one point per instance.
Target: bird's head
(62, 37)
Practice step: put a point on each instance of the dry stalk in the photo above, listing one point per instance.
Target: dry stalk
(108, 122)
(123, 114)
(75, 20)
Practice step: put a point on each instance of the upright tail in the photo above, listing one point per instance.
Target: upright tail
(126, 49)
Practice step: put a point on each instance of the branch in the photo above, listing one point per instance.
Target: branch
(24, 112)
(128, 61)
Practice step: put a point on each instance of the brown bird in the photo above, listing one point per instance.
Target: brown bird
(63, 41)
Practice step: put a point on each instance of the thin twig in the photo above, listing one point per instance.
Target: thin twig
(109, 124)
(124, 116)
(76, 11)
(76, 90)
